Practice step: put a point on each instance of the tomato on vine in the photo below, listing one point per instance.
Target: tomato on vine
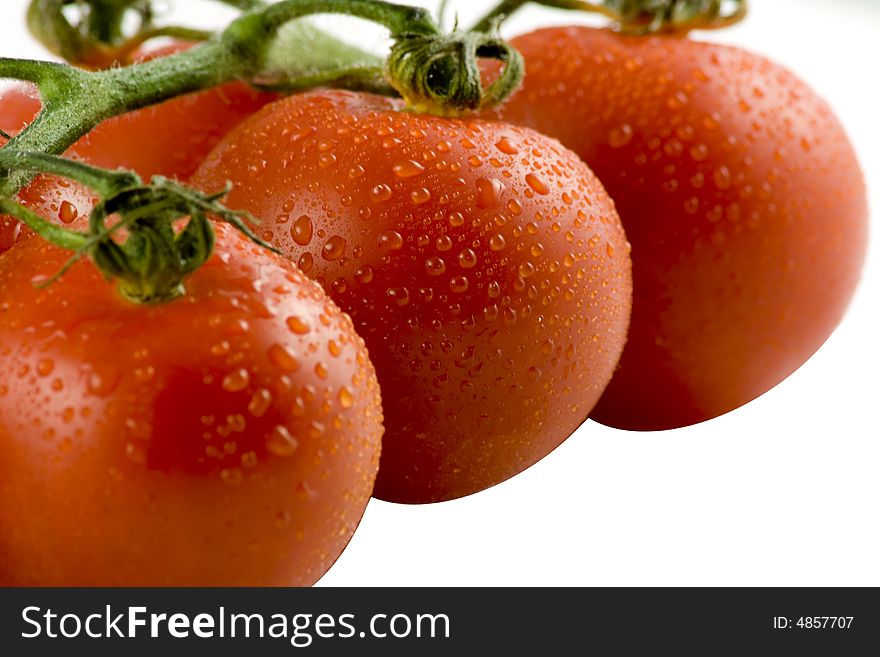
(483, 264)
(228, 437)
(740, 193)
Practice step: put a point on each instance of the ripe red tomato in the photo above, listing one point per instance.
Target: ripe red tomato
(230, 437)
(170, 139)
(483, 264)
(742, 198)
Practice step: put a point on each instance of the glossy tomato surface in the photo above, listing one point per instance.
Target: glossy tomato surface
(483, 264)
(229, 437)
(742, 198)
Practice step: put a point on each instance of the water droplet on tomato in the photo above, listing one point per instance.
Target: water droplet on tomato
(296, 325)
(364, 274)
(236, 381)
(408, 169)
(420, 195)
(435, 266)
(488, 192)
(301, 230)
(380, 193)
(537, 184)
(620, 136)
(281, 442)
(281, 357)
(497, 242)
(458, 284)
(305, 262)
(68, 212)
(334, 248)
(505, 145)
(390, 240)
(260, 402)
(467, 259)
(346, 398)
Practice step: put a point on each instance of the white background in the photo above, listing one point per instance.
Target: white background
(784, 491)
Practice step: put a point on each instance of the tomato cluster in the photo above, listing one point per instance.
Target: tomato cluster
(481, 264)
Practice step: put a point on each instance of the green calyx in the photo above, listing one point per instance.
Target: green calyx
(652, 16)
(639, 17)
(147, 237)
(440, 74)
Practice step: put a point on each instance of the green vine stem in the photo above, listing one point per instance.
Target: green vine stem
(267, 45)
(75, 100)
(639, 16)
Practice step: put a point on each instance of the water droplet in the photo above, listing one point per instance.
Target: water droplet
(391, 240)
(408, 169)
(282, 357)
(260, 402)
(305, 262)
(281, 443)
(505, 145)
(301, 230)
(467, 259)
(399, 294)
(526, 269)
(420, 195)
(67, 213)
(296, 325)
(45, 367)
(699, 152)
(346, 399)
(364, 274)
(620, 136)
(489, 192)
(723, 178)
(458, 284)
(435, 266)
(380, 193)
(334, 248)
(237, 380)
(537, 184)
(497, 242)
(100, 385)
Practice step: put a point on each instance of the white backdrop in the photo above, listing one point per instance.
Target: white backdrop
(784, 491)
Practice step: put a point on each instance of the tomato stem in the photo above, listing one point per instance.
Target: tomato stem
(155, 256)
(434, 72)
(639, 16)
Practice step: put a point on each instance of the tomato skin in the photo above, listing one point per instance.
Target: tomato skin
(169, 139)
(493, 312)
(134, 451)
(742, 198)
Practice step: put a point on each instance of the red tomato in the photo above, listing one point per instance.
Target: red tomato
(483, 264)
(170, 139)
(230, 437)
(742, 198)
